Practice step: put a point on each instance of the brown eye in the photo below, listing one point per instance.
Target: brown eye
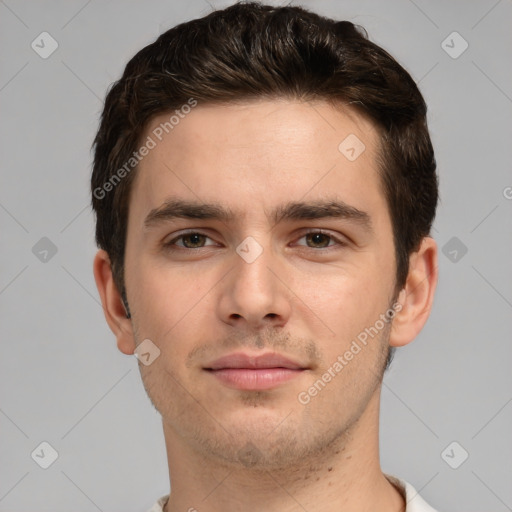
(321, 240)
(193, 240)
(318, 240)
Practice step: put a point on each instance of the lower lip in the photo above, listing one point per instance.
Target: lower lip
(255, 379)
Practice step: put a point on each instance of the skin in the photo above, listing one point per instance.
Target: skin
(304, 297)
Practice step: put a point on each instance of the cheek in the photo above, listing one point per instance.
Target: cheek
(345, 300)
(165, 292)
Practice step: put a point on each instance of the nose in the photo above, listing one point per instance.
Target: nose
(254, 294)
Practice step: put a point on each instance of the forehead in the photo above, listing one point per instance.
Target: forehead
(258, 153)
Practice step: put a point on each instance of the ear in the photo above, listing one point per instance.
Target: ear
(113, 307)
(417, 296)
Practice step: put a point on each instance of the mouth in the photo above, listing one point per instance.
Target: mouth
(254, 372)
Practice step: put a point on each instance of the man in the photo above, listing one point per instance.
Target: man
(264, 184)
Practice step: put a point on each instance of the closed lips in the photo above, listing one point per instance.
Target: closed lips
(251, 362)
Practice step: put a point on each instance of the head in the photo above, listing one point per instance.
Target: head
(278, 133)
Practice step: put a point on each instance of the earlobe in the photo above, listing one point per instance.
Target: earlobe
(116, 312)
(417, 296)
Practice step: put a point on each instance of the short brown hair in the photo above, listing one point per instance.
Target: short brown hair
(249, 51)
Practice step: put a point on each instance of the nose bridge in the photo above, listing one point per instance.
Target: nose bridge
(252, 290)
(251, 267)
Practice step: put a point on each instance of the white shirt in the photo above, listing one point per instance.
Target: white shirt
(414, 502)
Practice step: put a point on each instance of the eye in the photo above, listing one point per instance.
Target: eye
(320, 240)
(191, 240)
(196, 240)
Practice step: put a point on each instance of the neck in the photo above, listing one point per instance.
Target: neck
(345, 476)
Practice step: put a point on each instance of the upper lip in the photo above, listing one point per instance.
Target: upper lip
(243, 360)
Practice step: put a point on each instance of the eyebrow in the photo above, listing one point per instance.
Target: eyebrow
(311, 210)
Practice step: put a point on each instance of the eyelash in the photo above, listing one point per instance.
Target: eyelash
(171, 244)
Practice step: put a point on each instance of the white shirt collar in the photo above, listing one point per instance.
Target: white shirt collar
(414, 502)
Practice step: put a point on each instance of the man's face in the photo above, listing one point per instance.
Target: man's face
(279, 273)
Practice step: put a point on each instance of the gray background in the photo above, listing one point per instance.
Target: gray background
(63, 380)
